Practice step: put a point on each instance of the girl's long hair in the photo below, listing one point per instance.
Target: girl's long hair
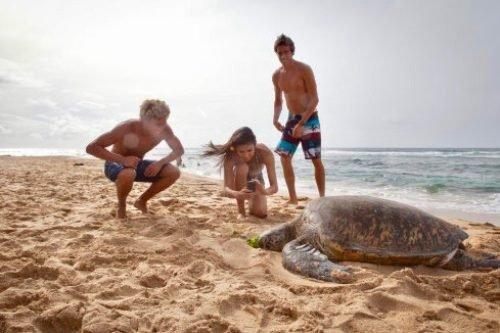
(241, 136)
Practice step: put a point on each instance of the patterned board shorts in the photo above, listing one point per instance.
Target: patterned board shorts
(112, 169)
(310, 139)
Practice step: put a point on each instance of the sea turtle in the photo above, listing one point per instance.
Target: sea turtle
(367, 229)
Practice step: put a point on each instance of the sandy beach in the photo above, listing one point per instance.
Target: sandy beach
(67, 265)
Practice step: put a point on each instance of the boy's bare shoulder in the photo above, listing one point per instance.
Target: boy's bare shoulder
(124, 127)
(276, 73)
(167, 131)
(303, 66)
(129, 123)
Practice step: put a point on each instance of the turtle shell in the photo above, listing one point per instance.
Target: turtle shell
(362, 228)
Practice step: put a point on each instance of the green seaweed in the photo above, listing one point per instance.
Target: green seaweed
(253, 242)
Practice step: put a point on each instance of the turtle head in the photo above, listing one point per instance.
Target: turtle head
(274, 239)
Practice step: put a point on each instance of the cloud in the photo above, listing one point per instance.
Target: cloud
(409, 81)
(36, 136)
(89, 105)
(4, 130)
(45, 102)
(66, 124)
(202, 113)
(11, 73)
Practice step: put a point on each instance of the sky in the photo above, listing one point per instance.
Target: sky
(389, 73)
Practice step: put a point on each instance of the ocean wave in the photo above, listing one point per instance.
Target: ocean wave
(434, 188)
(411, 176)
(40, 152)
(487, 189)
(472, 203)
(487, 153)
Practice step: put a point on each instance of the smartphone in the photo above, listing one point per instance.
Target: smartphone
(251, 185)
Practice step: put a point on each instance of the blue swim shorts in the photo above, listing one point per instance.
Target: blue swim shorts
(112, 169)
(310, 139)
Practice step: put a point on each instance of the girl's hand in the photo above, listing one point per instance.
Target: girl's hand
(259, 188)
(245, 194)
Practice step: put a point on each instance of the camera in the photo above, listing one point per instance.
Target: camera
(251, 185)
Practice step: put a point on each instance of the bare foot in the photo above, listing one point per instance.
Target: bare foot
(141, 205)
(121, 211)
(292, 202)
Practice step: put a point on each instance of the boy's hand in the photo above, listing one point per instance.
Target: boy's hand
(152, 169)
(297, 131)
(130, 161)
(278, 126)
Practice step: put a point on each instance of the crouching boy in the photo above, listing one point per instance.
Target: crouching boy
(130, 141)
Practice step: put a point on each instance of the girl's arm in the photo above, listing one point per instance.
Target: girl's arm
(268, 159)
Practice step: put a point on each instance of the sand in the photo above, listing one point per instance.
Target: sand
(66, 265)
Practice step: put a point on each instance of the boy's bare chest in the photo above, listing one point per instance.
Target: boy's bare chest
(290, 82)
(139, 143)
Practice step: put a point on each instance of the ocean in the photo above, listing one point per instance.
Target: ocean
(462, 183)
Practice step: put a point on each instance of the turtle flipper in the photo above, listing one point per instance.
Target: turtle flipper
(303, 258)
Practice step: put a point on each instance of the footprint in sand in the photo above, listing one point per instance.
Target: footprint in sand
(61, 319)
(468, 305)
(384, 302)
(211, 323)
(152, 280)
(168, 202)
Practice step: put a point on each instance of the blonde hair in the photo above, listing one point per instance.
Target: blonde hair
(154, 108)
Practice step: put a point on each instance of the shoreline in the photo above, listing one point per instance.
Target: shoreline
(444, 205)
(444, 213)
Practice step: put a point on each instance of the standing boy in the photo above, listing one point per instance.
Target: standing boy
(295, 80)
